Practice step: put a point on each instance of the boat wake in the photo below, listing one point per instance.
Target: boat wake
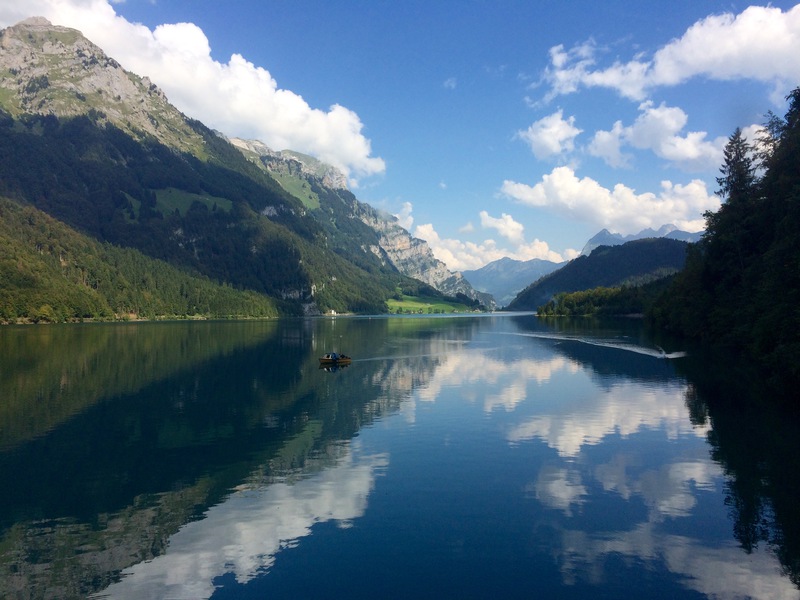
(657, 352)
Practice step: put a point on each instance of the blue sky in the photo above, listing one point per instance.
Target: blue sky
(503, 128)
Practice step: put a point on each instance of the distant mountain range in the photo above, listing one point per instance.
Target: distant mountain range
(606, 238)
(505, 278)
(632, 263)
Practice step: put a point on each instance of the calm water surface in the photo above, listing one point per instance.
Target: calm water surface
(469, 457)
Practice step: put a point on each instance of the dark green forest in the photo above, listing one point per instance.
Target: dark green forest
(51, 273)
(221, 219)
(740, 288)
(625, 300)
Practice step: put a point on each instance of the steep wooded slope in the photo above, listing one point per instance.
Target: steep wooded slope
(635, 262)
(103, 151)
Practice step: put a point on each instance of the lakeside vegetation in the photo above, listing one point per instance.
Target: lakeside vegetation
(740, 287)
(222, 219)
(626, 300)
(51, 273)
(741, 284)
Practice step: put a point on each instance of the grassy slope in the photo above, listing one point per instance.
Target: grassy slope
(425, 305)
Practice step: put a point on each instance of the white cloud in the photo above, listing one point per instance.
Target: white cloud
(404, 217)
(237, 97)
(717, 571)
(459, 255)
(502, 385)
(551, 135)
(621, 208)
(608, 146)
(657, 128)
(450, 83)
(505, 226)
(559, 488)
(761, 43)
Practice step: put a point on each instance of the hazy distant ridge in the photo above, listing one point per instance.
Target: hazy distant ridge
(635, 262)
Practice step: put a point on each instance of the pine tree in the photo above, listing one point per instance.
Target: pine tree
(726, 230)
(738, 172)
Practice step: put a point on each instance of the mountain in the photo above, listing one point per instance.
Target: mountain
(103, 151)
(606, 238)
(506, 277)
(323, 190)
(635, 262)
(55, 71)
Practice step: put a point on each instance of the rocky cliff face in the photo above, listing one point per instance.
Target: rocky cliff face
(409, 255)
(52, 70)
(413, 257)
(293, 163)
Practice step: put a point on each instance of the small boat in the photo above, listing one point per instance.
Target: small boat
(335, 358)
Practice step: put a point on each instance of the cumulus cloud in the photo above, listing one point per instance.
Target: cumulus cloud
(551, 135)
(462, 255)
(658, 128)
(237, 97)
(505, 226)
(760, 44)
(714, 572)
(608, 146)
(619, 209)
(404, 218)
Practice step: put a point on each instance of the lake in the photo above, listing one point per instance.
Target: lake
(491, 456)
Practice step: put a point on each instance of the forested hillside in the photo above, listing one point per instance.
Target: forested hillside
(102, 151)
(211, 217)
(353, 227)
(633, 263)
(741, 284)
(624, 300)
(51, 273)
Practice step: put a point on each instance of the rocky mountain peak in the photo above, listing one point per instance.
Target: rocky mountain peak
(605, 238)
(48, 69)
(294, 162)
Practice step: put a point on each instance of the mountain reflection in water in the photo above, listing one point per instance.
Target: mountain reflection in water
(472, 456)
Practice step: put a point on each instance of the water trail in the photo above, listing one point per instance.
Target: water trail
(657, 352)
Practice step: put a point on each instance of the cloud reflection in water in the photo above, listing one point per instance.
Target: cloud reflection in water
(668, 486)
(243, 534)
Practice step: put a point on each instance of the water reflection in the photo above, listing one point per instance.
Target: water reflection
(242, 535)
(559, 459)
(624, 409)
(716, 572)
